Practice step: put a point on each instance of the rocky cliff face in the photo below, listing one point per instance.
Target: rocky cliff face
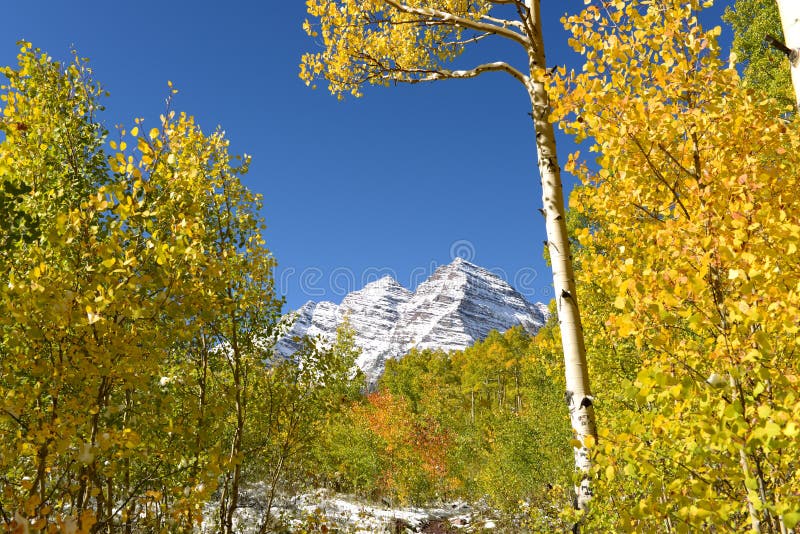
(459, 304)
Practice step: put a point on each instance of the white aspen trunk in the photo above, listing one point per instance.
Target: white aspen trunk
(790, 20)
(472, 407)
(578, 394)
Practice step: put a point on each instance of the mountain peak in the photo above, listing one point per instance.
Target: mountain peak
(458, 304)
(462, 264)
(465, 266)
(383, 282)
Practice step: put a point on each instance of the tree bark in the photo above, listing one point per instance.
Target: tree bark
(790, 20)
(578, 395)
(238, 436)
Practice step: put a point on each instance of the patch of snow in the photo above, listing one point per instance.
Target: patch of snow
(345, 512)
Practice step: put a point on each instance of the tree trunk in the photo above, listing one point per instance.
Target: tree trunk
(790, 20)
(578, 394)
(238, 436)
(472, 407)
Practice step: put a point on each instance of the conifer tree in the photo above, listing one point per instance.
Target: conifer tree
(766, 67)
(790, 21)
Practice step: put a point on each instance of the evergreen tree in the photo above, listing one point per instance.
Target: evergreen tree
(766, 68)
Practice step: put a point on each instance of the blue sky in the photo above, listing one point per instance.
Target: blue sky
(396, 182)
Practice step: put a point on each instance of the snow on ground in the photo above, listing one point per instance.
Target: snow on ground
(344, 513)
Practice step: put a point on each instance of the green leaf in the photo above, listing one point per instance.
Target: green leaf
(791, 519)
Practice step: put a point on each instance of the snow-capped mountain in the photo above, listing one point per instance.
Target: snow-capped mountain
(457, 305)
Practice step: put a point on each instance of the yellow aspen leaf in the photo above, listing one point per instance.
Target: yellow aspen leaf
(625, 325)
(772, 429)
(610, 472)
(791, 429)
(629, 470)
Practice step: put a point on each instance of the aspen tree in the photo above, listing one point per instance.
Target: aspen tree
(692, 244)
(765, 67)
(382, 42)
(121, 256)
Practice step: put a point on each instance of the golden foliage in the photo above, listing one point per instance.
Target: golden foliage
(690, 252)
(130, 268)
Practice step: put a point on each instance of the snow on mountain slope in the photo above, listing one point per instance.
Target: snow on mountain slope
(457, 305)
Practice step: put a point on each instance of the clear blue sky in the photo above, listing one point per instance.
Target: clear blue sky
(393, 183)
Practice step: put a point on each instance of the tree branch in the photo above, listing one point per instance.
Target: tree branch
(660, 176)
(430, 75)
(652, 214)
(463, 22)
(18, 420)
(676, 162)
(504, 22)
(468, 41)
(780, 47)
(400, 74)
